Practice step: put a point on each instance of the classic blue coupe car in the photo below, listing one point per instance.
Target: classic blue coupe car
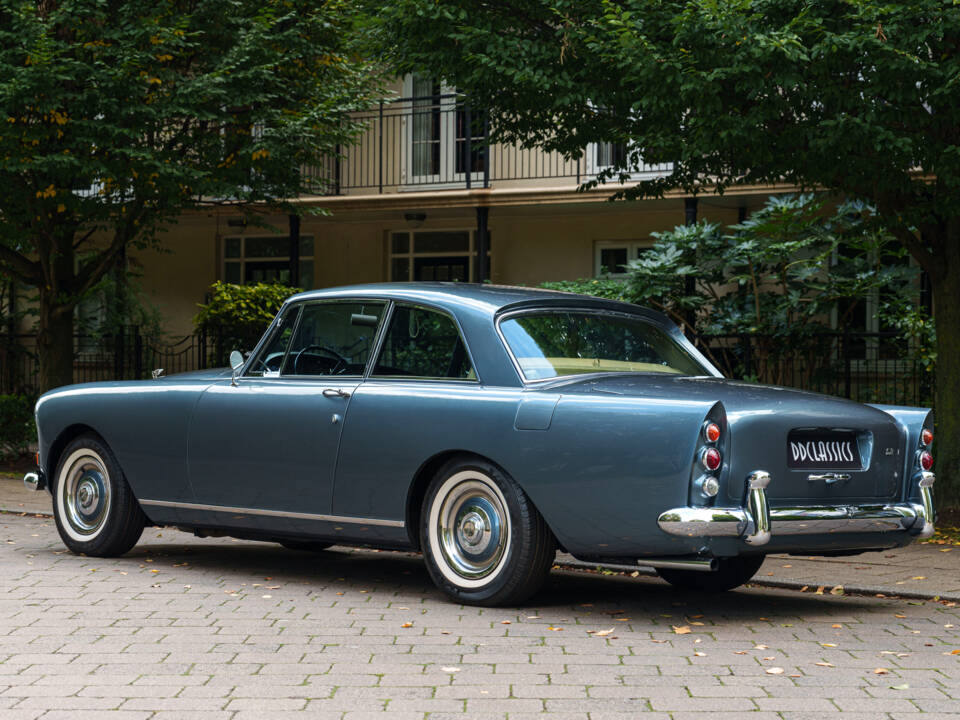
(486, 427)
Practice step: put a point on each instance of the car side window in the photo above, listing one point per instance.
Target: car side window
(271, 357)
(423, 343)
(333, 338)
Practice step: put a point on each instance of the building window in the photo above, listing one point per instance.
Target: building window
(256, 259)
(432, 255)
(436, 134)
(611, 256)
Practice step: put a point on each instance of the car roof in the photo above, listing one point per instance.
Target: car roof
(467, 296)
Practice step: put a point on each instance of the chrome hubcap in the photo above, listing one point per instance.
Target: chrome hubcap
(86, 494)
(473, 528)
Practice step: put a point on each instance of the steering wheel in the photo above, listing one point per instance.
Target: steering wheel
(340, 365)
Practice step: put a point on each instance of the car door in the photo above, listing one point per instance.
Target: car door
(269, 442)
(422, 394)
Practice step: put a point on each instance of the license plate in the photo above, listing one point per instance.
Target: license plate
(823, 450)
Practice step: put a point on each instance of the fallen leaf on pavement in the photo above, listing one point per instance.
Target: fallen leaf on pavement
(681, 629)
(819, 591)
(603, 633)
(504, 622)
(825, 664)
(919, 577)
(899, 615)
(696, 622)
(804, 588)
(760, 647)
(555, 629)
(774, 671)
(835, 625)
(700, 654)
(739, 652)
(407, 625)
(770, 657)
(838, 590)
(450, 669)
(828, 644)
(955, 652)
(880, 671)
(905, 686)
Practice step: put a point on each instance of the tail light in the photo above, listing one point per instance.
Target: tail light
(710, 458)
(926, 460)
(711, 431)
(926, 437)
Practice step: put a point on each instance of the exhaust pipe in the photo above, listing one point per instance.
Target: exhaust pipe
(679, 564)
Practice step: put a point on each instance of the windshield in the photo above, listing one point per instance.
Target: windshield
(569, 342)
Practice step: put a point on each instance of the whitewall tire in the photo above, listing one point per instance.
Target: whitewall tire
(483, 541)
(93, 506)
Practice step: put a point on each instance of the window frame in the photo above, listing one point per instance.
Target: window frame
(385, 329)
(242, 260)
(447, 104)
(631, 246)
(300, 308)
(411, 255)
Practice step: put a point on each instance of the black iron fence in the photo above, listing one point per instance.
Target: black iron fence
(867, 367)
(126, 355)
(875, 367)
(434, 141)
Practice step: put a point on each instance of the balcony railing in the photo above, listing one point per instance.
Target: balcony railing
(439, 142)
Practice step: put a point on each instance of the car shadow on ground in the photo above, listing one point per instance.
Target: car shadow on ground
(239, 564)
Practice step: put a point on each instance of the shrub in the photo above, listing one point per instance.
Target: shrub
(17, 428)
(237, 315)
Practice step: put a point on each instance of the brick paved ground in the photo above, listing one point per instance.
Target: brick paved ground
(184, 628)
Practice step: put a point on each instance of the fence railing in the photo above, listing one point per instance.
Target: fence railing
(867, 367)
(438, 141)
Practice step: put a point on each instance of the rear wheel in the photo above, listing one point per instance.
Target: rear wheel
(483, 541)
(730, 573)
(94, 509)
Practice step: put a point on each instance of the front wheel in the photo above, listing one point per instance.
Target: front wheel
(94, 509)
(731, 572)
(483, 541)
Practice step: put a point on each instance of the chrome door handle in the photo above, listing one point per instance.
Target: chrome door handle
(335, 392)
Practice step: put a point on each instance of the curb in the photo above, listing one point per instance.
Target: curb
(578, 565)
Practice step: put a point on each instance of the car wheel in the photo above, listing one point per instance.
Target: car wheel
(731, 572)
(306, 545)
(483, 540)
(94, 509)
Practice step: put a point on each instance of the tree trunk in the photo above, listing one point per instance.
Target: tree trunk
(55, 325)
(946, 447)
(54, 343)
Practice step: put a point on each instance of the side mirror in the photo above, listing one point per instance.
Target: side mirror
(236, 362)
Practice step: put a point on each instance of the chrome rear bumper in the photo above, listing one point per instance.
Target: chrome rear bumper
(757, 523)
(34, 481)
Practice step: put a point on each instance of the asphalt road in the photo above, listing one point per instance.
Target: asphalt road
(184, 628)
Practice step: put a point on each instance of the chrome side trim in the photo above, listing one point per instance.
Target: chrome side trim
(735, 522)
(275, 513)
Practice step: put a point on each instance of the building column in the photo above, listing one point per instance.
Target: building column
(295, 251)
(483, 245)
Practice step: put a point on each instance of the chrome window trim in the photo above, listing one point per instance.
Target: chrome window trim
(687, 346)
(274, 513)
(301, 306)
(418, 378)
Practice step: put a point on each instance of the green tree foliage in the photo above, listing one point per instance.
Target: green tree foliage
(775, 279)
(117, 116)
(17, 428)
(236, 316)
(859, 97)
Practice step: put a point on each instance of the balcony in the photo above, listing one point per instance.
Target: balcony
(438, 142)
